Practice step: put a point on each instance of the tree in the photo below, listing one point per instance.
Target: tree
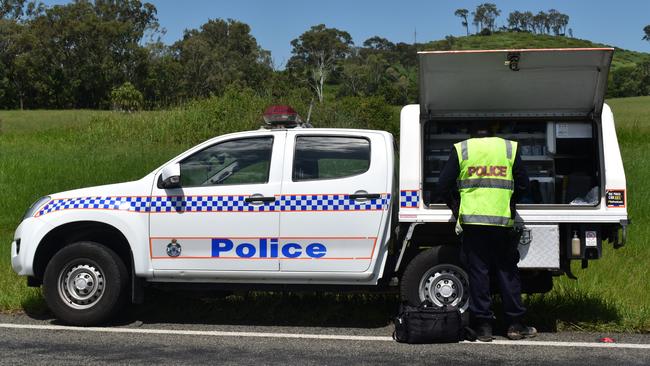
(564, 23)
(522, 21)
(126, 98)
(404, 84)
(462, 13)
(73, 55)
(643, 70)
(526, 21)
(485, 16)
(514, 20)
(220, 53)
(540, 23)
(353, 75)
(557, 22)
(491, 14)
(646, 30)
(11, 9)
(162, 83)
(478, 18)
(10, 77)
(379, 44)
(317, 54)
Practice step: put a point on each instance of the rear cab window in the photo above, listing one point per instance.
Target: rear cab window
(330, 157)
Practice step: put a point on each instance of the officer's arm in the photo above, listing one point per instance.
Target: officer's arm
(520, 177)
(447, 189)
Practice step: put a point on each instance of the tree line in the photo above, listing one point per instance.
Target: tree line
(108, 54)
(76, 55)
(484, 18)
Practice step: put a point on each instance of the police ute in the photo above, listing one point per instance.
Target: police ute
(290, 207)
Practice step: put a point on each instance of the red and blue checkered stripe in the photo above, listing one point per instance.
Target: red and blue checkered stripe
(237, 203)
(409, 198)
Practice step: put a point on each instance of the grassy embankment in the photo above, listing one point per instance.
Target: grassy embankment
(513, 40)
(49, 151)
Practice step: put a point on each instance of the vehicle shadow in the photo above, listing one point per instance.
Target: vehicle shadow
(303, 309)
(324, 309)
(578, 311)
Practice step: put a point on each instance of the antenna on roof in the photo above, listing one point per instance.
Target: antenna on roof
(311, 106)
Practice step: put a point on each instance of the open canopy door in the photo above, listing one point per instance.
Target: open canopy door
(514, 83)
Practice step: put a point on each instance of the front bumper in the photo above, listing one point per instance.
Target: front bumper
(15, 259)
(28, 235)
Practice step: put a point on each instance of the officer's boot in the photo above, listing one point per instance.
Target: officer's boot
(484, 331)
(519, 331)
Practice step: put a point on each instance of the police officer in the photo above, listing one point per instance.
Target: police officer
(481, 183)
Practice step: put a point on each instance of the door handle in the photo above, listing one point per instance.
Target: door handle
(259, 199)
(364, 196)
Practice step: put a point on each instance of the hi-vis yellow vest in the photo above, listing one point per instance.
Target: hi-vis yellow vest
(485, 181)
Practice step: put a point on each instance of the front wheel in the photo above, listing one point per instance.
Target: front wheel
(85, 283)
(435, 275)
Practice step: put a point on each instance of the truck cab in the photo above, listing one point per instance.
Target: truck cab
(282, 206)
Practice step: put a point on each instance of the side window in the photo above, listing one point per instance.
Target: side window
(242, 161)
(330, 157)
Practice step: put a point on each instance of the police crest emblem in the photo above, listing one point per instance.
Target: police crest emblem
(173, 248)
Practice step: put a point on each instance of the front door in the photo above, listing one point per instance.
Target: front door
(225, 216)
(335, 194)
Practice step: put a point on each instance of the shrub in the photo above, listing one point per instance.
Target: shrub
(126, 98)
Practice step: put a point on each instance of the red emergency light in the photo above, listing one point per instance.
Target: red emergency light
(281, 116)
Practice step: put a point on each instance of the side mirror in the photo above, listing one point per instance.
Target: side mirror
(171, 176)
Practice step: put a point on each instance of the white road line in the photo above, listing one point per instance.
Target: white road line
(566, 344)
(211, 333)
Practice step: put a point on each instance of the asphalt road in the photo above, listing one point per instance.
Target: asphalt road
(164, 343)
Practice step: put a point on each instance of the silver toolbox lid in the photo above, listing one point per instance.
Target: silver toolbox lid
(568, 82)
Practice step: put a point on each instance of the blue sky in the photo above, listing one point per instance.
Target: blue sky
(275, 23)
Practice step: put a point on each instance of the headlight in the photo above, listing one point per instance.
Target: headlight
(35, 206)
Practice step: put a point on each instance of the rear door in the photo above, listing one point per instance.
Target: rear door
(335, 197)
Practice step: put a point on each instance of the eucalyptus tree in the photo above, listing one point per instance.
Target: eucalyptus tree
(317, 54)
(463, 13)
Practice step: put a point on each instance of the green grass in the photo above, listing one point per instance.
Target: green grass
(49, 151)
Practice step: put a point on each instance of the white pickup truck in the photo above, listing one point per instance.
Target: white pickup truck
(307, 207)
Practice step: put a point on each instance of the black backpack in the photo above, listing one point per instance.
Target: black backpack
(428, 323)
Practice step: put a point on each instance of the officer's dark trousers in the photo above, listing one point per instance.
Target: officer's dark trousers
(487, 251)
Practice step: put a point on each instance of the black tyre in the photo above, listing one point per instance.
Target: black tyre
(436, 275)
(85, 283)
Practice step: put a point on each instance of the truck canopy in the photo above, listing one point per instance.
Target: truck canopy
(513, 83)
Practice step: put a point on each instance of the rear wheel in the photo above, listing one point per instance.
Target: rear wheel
(85, 283)
(435, 275)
